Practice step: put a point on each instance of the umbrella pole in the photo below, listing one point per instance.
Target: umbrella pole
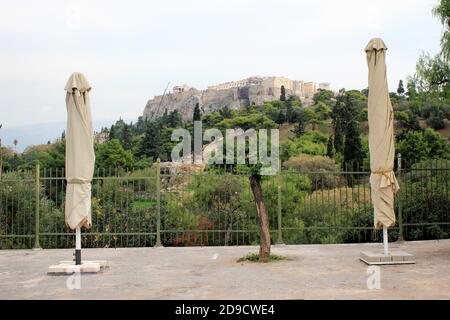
(385, 241)
(78, 246)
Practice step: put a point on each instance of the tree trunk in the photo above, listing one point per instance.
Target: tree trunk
(228, 232)
(264, 247)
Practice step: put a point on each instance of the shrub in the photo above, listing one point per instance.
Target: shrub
(319, 170)
(312, 143)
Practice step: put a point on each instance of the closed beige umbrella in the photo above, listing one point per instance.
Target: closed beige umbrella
(383, 183)
(80, 157)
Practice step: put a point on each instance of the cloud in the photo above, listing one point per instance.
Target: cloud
(131, 51)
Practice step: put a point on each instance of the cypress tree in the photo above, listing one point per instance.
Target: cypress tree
(401, 88)
(338, 137)
(300, 126)
(283, 94)
(330, 150)
(112, 133)
(197, 113)
(353, 147)
(126, 137)
(151, 143)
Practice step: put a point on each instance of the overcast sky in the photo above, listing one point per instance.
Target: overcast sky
(130, 50)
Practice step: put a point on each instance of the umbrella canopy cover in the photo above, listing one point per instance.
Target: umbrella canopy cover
(381, 137)
(80, 157)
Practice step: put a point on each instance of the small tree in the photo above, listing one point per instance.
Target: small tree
(253, 171)
(264, 245)
(436, 120)
(111, 154)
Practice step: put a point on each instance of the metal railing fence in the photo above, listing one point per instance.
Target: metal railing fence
(156, 206)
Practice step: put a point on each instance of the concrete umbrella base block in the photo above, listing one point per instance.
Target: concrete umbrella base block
(69, 267)
(394, 257)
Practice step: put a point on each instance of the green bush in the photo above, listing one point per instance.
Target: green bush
(312, 143)
(319, 169)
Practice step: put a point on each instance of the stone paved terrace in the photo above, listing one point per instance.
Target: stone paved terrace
(314, 272)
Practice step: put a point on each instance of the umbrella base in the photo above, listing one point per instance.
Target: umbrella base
(394, 257)
(69, 267)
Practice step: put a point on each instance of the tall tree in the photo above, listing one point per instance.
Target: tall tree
(322, 110)
(290, 114)
(301, 121)
(127, 137)
(433, 74)
(401, 88)
(281, 118)
(175, 120)
(293, 107)
(353, 148)
(411, 87)
(330, 150)
(340, 119)
(197, 113)
(151, 142)
(442, 12)
(226, 113)
(339, 137)
(113, 133)
(325, 96)
(283, 94)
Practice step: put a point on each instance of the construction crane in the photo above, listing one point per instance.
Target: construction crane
(162, 98)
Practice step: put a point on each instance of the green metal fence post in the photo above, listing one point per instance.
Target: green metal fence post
(400, 213)
(280, 233)
(158, 203)
(36, 212)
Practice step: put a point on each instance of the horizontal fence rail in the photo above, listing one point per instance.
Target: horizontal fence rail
(170, 206)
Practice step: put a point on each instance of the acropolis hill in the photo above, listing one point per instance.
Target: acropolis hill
(234, 95)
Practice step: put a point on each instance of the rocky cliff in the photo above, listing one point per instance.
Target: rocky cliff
(208, 100)
(234, 95)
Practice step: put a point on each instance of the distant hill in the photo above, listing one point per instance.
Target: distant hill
(39, 133)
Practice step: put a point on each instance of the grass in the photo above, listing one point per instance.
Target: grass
(143, 204)
(254, 257)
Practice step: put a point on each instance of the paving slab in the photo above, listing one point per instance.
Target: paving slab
(393, 257)
(311, 272)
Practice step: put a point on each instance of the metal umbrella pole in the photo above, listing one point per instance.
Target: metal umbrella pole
(78, 246)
